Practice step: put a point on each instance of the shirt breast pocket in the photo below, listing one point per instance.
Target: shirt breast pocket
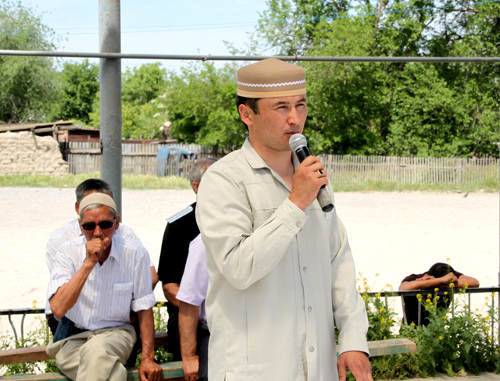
(122, 294)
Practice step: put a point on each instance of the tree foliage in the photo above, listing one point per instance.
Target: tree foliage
(80, 84)
(142, 110)
(414, 109)
(29, 87)
(200, 103)
(421, 109)
(294, 23)
(141, 85)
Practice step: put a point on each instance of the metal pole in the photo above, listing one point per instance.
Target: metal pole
(110, 87)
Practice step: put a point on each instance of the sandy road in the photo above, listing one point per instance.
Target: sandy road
(391, 234)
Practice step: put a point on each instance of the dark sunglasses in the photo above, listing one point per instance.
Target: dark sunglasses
(102, 225)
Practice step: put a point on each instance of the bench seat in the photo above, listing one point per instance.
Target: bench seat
(171, 370)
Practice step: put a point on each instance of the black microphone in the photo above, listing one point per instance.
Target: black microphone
(298, 144)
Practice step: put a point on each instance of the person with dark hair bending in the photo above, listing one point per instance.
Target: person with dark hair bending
(440, 275)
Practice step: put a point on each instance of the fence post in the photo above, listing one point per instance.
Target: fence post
(459, 172)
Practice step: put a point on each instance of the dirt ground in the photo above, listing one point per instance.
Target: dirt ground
(391, 234)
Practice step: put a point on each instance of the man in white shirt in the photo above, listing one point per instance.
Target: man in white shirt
(281, 273)
(72, 230)
(194, 333)
(95, 281)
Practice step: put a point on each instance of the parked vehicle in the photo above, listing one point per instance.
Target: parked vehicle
(174, 161)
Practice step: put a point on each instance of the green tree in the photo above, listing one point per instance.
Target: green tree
(29, 87)
(290, 27)
(200, 103)
(447, 108)
(142, 110)
(394, 108)
(345, 106)
(142, 85)
(80, 87)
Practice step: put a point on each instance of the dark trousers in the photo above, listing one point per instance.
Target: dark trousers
(52, 323)
(203, 338)
(174, 341)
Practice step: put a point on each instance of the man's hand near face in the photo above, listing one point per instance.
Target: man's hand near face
(95, 249)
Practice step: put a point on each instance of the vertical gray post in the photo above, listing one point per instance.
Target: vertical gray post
(110, 87)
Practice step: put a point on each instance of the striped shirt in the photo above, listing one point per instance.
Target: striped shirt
(70, 231)
(122, 283)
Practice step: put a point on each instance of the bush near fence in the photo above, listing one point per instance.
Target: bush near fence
(456, 341)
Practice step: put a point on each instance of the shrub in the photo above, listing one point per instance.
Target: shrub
(38, 335)
(454, 342)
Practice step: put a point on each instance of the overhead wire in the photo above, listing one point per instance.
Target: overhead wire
(173, 28)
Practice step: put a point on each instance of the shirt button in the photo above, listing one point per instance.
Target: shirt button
(304, 269)
(311, 349)
(299, 224)
(310, 309)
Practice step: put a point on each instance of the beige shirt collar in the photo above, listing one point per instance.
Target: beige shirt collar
(256, 162)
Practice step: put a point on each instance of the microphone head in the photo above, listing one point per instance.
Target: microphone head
(297, 141)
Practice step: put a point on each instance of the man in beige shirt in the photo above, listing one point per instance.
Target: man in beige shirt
(281, 273)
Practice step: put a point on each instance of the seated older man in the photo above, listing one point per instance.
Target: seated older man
(96, 280)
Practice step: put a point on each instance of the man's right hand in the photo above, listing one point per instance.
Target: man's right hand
(190, 366)
(306, 182)
(150, 371)
(95, 249)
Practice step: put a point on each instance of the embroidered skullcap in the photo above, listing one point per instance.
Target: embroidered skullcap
(271, 78)
(99, 199)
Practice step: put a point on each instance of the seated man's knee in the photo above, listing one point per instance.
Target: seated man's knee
(114, 343)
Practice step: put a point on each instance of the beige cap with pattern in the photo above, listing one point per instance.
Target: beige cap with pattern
(271, 78)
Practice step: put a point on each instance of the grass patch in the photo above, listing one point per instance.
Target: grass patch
(175, 182)
(72, 181)
(489, 186)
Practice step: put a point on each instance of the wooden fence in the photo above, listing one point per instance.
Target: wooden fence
(85, 157)
(141, 159)
(409, 170)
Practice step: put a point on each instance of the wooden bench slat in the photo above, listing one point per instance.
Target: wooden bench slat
(14, 356)
(171, 371)
(391, 347)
